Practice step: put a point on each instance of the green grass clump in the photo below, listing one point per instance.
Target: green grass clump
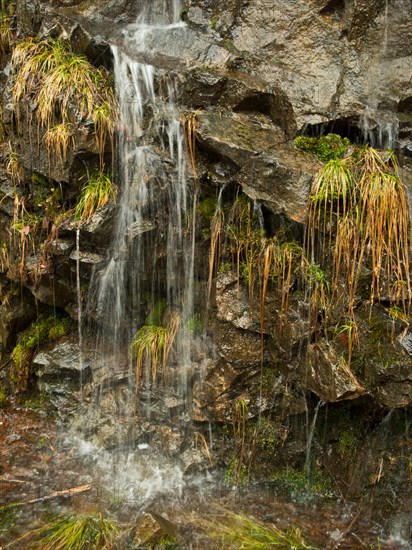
(325, 148)
(60, 81)
(75, 533)
(359, 211)
(42, 331)
(97, 192)
(3, 398)
(151, 347)
(237, 531)
(296, 483)
(6, 34)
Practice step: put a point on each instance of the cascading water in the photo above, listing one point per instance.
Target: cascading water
(380, 126)
(147, 278)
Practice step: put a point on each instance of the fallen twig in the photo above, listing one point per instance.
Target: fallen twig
(55, 494)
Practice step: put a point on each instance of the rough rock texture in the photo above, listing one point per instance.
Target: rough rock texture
(253, 75)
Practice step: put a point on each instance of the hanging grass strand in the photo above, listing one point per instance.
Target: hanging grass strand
(359, 211)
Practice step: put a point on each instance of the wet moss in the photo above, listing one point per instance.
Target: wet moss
(43, 330)
(325, 148)
(299, 485)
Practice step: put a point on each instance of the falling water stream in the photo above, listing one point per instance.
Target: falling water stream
(150, 267)
(380, 127)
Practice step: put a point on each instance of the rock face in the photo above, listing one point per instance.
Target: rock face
(252, 76)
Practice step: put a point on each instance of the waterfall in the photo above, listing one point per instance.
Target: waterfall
(150, 261)
(311, 433)
(153, 227)
(79, 311)
(380, 126)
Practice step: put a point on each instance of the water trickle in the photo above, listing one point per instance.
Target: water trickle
(380, 126)
(150, 260)
(79, 311)
(310, 434)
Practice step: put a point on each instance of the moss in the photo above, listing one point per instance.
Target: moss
(155, 315)
(348, 442)
(3, 398)
(184, 10)
(296, 483)
(349, 429)
(195, 325)
(206, 208)
(43, 330)
(325, 148)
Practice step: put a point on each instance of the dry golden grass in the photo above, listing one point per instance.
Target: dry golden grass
(65, 86)
(359, 221)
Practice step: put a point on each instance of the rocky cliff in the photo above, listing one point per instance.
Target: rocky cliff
(252, 75)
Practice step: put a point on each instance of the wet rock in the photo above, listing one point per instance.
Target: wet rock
(321, 370)
(16, 313)
(89, 258)
(235, 305)
(62, 369)
(12, 438)
(396, 394)
(240, 348)
(269, 170)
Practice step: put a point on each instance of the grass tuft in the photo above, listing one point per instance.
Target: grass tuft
(97, 192)
(237, 531)
(74, 533)
(65, 86)
(59, 140)
(359, 210)
(151, 347)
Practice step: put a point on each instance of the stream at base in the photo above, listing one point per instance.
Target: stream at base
(37, 462)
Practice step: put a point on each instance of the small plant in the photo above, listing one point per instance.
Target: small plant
(235, 531)
(397, 314)
(151, 347)
(58, 80)
(45, 329)
(13, 167)
(97, 192)
(59, 140)
(325, 148)
(213, 23)
(3, 398)
(74, 533)
(350, 330)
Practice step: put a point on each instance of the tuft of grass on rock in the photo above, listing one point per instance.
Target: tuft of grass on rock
(97, 192)
(69, 532)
